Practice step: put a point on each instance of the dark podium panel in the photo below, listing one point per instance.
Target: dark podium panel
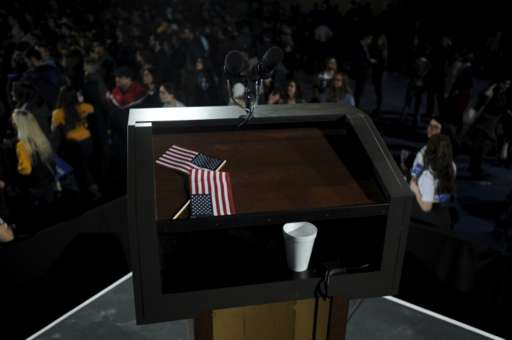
(322, 163)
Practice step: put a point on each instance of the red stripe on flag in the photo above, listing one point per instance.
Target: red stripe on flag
(191, 185)
(230, 194)
(221, 193)
(183, 150)
(175, 165)
(164, 164)
(225, 189)
(211, 181)
(174, 159)
(222, 210)
(178, 156)
(174, 153)
(206, 184)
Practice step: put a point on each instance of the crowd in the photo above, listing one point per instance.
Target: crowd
(71, 75)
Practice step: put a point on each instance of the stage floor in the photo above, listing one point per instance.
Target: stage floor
(111, 315)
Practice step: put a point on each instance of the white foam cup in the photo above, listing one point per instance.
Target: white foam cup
(299, 238)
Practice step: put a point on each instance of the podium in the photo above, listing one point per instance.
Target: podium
(322, 163)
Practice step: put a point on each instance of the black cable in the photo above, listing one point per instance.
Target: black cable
(322, 290)
(329, 316)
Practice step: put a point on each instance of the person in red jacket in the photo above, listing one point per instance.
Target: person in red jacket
(128, 92)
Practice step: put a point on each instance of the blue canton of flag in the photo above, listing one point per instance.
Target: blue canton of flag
(206, 162)
(201, 205)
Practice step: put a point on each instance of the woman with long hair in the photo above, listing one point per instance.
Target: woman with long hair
(72, 135)
(436, 183)
(293, 93)
(36, 170)
(167, 94)
(151, 81)
(324, 79)
(32, 146)
(340, 90)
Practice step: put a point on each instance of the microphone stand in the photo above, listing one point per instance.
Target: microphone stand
(250, 105)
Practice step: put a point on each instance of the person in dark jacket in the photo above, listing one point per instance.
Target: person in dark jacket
(151, 81)
(459, 93)
(70, 123)
(201, 86)
(379, 52)
(46, 78)
(494, 102)
(94, 93)
(24, 95)
(416, 86)
(361, 66)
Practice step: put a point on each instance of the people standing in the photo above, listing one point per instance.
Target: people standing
(379, 52)
(416, 86)
(361, 65)
(324, 80)
(493, 103)
(70, 126)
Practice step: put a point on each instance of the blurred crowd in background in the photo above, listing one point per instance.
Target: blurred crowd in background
(71, 70)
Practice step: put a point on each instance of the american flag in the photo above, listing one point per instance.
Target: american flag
(210, 193)
(184, 160)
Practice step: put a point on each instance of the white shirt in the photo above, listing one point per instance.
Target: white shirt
(178, 104)
(427, 184)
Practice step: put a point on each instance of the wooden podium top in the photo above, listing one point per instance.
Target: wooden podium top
(272, 169)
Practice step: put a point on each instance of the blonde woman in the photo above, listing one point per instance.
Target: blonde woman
(35, 159)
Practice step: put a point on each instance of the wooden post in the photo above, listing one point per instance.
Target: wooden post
(337, 328)
(291, 320)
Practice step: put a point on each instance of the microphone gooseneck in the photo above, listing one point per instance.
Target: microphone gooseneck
(236, 69)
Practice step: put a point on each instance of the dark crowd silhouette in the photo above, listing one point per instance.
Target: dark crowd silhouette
(71, 75)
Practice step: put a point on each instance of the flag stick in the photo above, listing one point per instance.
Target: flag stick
(187, 203)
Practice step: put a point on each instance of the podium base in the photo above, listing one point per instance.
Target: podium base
(292, 320)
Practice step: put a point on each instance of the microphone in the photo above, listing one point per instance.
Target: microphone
(269, 61)
(235, 64)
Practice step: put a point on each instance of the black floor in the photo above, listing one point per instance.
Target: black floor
(112, 317)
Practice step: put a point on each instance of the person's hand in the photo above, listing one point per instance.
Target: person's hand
(2, 185)
(373, 61)
(490, 91)
(414, 187)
